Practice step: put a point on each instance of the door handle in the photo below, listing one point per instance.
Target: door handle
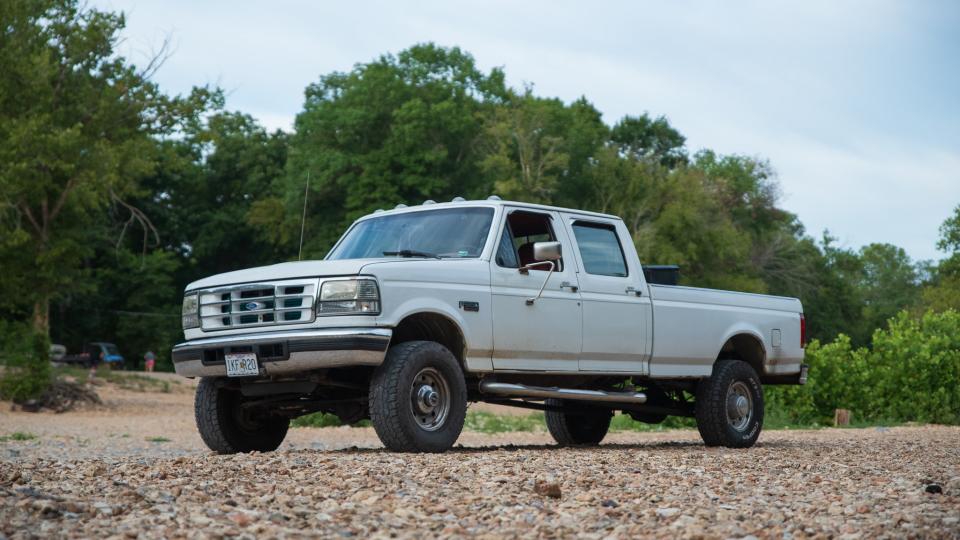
(634, 291)
(568, 285)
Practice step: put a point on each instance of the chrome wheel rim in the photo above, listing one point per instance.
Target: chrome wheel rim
(739, 406)
(429, 399)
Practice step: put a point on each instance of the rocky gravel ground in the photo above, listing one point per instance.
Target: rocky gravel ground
(136, 468)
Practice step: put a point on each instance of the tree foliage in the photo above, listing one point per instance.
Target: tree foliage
(400, 129)
(114, 195)
(78, 127)
(908, 374)
(943, 287)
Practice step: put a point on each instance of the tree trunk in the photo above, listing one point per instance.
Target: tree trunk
(41, 316)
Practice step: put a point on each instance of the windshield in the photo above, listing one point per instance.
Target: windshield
(450, 232)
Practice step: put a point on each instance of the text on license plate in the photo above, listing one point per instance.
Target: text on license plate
(241, 364)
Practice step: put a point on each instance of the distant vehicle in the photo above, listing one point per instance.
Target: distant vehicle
(416, 311)
(91, 351)
(57, 352)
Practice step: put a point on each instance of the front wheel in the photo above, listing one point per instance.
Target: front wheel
(228, 428)
(418, 398)
(729, 407)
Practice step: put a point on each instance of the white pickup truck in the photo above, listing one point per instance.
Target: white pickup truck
(419, 310)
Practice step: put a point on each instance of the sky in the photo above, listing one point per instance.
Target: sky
(856, 104)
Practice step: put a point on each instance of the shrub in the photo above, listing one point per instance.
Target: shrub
(25, 356)
(18, 436)
(487, 422)
(322, 419)
(911, 373)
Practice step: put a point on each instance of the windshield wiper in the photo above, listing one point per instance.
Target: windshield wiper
(411, 253)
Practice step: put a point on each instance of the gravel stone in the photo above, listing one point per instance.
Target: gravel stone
(548, 488)
(93, 474)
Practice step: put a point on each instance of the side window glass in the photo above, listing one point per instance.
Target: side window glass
(506, 252)
(526, 229)
(600, 249)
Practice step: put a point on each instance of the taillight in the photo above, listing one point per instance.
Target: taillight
(803, 331)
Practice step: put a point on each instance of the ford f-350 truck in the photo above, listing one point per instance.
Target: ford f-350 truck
(418, 311)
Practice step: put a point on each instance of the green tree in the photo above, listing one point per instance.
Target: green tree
(235, 168)
(889, 283)
(793, 264)
(77, 129)
(747, 188)
(942, 291)
(525, 157)
(540, 150)
(691, 228)
(645, 139)
(396, 130)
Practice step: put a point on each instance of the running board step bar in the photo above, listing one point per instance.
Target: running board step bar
(524, 391)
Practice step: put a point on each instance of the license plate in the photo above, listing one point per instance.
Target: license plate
(241, 364)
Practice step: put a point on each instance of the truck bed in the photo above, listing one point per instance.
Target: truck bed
(691, 324)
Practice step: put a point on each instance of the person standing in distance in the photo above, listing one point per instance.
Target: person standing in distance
(149, 360)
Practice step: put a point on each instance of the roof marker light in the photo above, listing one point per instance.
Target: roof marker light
(458, 199)
(429, 201)
(494, 198)
(401, 205)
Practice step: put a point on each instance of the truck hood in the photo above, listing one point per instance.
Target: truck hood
(287, 270)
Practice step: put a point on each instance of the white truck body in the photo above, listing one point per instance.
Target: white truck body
(596, 317)
(665, 332)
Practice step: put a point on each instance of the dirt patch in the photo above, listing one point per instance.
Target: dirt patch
(61, 396)
(138, 467)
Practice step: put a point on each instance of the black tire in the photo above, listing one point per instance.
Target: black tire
(655, 397)
(400, 398)
(721, 416)
(225, 429)
(587, 426)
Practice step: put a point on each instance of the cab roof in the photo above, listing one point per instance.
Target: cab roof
(459, 202)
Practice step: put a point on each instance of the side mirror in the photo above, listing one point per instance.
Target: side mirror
(547, 251)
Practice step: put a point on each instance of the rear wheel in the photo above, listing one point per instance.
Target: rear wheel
(656, 397)
(418, 398)
(729, 407)
(583, 426)
(228, 428)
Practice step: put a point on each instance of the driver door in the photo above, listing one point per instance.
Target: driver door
(546, 335)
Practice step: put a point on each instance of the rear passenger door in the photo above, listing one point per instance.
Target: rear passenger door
(617, 312)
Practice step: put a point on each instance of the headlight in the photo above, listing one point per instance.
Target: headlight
(189, 316)
(346, 296)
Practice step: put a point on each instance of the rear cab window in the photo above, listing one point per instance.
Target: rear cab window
(600, 249)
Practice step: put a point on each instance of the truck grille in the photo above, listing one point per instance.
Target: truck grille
(258, 304)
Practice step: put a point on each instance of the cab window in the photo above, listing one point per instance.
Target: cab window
(600, 249)
(522, 230)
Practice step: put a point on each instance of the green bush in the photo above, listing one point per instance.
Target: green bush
(25, 357)
(18, 436)
(487, 422)
(623, 422)
(322, 419)
(910, 374)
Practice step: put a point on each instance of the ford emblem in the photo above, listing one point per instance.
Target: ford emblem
(251, 306)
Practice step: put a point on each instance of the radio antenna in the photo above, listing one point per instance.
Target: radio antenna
(303, 219)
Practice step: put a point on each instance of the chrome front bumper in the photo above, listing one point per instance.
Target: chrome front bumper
(283, 352)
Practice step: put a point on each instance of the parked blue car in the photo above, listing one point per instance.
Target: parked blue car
(92, 351)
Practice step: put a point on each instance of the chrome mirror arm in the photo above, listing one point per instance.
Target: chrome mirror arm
(553, 266)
